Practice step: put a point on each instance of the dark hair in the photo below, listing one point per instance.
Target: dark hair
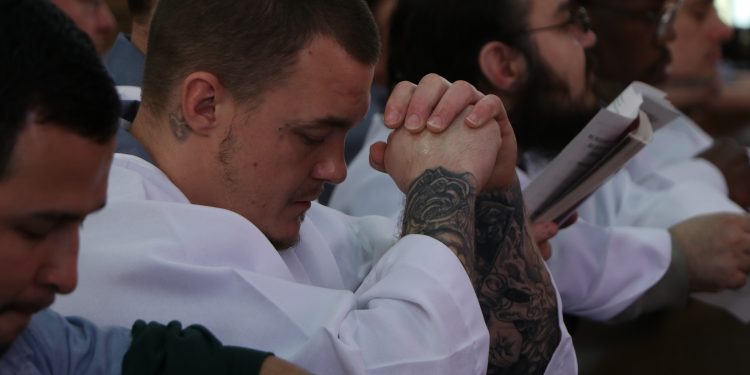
(49, 68)
(140, 8)
(248, 44)
(446, 36)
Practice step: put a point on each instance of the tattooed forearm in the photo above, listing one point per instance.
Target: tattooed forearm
(440, 204)
(514, 288)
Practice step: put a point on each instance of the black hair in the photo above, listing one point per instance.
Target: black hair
(446, 36)
(140, 8)
(50, 69)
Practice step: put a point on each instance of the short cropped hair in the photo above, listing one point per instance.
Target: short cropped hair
(429, 36)
(248, 44)
(140, 8)
(49, 68)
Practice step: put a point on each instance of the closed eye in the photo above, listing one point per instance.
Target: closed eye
(34, 232)
(312, 140)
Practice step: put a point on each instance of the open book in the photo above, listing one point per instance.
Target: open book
(609, 140)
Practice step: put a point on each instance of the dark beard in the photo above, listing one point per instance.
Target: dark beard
(545, 117)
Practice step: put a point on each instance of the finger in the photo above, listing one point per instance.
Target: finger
(454, 101)
(487, 108)
(426, 96)
(743, 263)
(543, 231)
(377, 156)
(570, 220)
(398, 103)
(545, 250)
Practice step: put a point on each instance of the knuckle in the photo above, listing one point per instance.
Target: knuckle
(738, 280)
(464, 86)
(405, 86)
(431, 77)
(496, 101)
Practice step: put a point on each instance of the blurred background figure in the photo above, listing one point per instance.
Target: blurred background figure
(699, 339)
(696, 53)
(710, 79)
(93, 17)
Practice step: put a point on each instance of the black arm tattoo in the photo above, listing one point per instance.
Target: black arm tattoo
(514, 289)
(440, 204)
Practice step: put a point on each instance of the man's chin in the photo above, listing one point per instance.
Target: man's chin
(12, 324)
(283, 241)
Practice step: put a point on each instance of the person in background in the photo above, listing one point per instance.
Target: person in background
(603, 271)
(681, 151)
(93, 17)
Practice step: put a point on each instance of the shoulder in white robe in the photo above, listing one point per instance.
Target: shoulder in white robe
(350, 298)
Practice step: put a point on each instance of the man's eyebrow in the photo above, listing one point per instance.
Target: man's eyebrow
(324, 122)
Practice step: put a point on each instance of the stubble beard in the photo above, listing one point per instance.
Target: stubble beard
(285, 244)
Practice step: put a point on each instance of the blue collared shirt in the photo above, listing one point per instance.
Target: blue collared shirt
(125, 62)
(53, 344)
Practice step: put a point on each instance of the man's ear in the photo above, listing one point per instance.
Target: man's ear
(503, 66)
(201, 95)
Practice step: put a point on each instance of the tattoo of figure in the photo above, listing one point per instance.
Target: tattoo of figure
(178, 125)
(514, 288)
(440, 204)
(488, 235)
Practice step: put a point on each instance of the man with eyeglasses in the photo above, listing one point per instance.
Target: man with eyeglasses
(534, 58)
(681, 151)
(634, 46)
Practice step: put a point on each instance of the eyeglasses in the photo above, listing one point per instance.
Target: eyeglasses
(578, 17)
(663, 19)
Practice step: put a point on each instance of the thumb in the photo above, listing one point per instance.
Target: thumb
(377, 156)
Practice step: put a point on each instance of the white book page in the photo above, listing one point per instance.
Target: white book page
(585, 150)
(617, 156)
(594, 141)
(659, 110)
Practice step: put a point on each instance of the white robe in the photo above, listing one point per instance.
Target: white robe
(350, 298)
(671, 154)
(658, 202)
(588, 261)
